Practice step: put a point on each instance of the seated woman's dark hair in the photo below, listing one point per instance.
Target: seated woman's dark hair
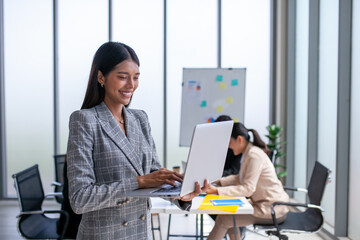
(222, 118)
(106, 58)
(240, 130)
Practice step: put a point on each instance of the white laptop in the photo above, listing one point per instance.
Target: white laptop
(206, 159)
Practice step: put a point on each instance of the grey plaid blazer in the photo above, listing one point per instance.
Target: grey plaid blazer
(102, 167)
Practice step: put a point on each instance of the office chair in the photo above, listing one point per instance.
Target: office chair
(74, 219)
(309, 221)
(272, 156)
(33, 223)
(59, 161)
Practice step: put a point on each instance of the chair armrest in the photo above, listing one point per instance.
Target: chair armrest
(66, 214)
(42, 212)
(57, 184)
(297, 205)
(53, 194)
(296, 189)
(29, 213)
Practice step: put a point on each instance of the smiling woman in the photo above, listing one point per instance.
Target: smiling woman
(111, 152)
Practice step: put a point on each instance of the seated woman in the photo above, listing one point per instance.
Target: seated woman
(256, 180)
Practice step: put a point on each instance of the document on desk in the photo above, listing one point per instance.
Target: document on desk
(220, 203)
(226, 202)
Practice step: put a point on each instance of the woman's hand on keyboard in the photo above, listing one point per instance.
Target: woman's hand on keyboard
(158, 178)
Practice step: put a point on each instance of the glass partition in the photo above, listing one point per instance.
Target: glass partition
(245, 43)
(301, 95)
(191, 34)
(354, 177)
(140, 24)
(28, 84)
(83, 27)
(328, 82)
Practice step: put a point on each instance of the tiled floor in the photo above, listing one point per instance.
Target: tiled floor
(180, 224)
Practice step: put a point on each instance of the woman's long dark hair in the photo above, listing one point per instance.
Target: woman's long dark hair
(240, 130)
(106, 58)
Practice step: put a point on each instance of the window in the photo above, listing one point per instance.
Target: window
(28, 88)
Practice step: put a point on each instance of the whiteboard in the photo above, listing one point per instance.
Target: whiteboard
(208, 93)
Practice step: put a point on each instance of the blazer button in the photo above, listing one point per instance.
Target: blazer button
(127, 201)
(142, 217)
(125, 223)
(119, 203)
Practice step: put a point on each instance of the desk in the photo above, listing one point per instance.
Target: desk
(160, 205)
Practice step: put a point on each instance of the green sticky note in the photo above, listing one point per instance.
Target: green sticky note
(203, 104)
(234, 82)
(219, 78)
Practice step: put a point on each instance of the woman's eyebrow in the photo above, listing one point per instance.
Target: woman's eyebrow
(127, 73)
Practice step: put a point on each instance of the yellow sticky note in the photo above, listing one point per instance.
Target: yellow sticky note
(222, 86)
(219, 109)
(206, 204)
(229, 100)
(235, 119)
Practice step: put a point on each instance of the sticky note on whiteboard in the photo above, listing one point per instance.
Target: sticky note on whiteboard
(229, 100)
(219, 109)
(219, 78)
(222, 86)
(234, 82)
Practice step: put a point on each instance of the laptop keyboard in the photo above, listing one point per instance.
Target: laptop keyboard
(169, 189)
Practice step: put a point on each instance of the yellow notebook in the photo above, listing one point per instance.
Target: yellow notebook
(206, 204)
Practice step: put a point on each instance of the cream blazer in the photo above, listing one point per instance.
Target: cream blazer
(256, 180)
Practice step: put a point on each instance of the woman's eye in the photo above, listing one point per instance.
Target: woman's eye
(122, 77)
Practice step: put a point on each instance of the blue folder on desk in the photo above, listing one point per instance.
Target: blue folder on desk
(226, 202)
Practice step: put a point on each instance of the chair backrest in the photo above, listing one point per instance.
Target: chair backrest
(29, 189)
(59, 167)
(318, 180)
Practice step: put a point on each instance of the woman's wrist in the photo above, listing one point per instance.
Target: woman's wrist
(140, 181)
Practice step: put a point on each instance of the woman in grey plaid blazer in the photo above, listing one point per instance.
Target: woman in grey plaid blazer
(111, 152)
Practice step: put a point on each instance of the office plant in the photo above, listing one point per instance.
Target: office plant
(275, 145)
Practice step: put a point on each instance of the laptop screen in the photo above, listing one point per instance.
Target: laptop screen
(207, 154)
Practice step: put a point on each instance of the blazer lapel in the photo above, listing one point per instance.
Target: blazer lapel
(115, 133)
(133, 131)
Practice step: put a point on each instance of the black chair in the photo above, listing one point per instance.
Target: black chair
(309, 221)
(74, 219)
(33, 223)
(59, 161)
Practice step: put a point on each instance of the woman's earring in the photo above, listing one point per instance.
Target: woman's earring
(102, 85)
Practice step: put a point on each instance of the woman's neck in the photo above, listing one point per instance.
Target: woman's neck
(115, 109)
(244, 146)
